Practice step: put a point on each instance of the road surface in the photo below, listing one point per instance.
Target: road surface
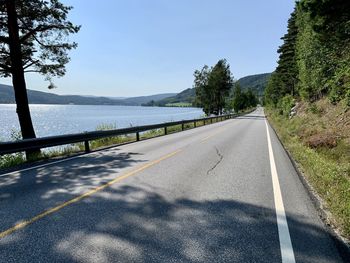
(226, 192)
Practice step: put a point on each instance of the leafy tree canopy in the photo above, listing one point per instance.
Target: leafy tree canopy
(315, 54)
(43, 31)
(213, 86)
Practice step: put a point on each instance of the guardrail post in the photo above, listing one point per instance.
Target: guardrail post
(87, 146)
(195, 124)
(211, 121)
(182, 126)
(165, 130)
(137, 136)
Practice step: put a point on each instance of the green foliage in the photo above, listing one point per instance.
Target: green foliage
(257, 83)
(327, 170)
(9, 160)
(212, 86)
(108, 140)
(286, 104)
(43, 37)
(314, 57)
(284, 80)
(242, 100)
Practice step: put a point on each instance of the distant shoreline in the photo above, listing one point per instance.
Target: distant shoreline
(114, 105)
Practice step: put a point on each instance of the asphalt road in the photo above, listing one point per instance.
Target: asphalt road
(226, 192)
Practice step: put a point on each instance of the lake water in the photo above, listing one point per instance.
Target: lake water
(64, 119)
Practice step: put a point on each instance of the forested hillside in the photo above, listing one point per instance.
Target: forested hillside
(308, 101)
(256, 82)
(184, 98)
(314, 58)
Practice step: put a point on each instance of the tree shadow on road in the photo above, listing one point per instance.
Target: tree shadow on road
(126, 223)
(53, 184)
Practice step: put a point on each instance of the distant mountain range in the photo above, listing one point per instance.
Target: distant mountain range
(256, 82)
(39, 97)
(185, 97)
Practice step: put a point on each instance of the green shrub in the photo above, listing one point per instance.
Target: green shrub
(9, 160)
(285, 105)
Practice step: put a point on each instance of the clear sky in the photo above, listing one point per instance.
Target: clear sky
(143, 47)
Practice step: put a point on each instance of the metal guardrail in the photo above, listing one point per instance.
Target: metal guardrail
(50, 141)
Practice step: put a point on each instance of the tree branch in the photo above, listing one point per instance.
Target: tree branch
(32, 70)
(30, 64)
(5, 67)
(40, 28)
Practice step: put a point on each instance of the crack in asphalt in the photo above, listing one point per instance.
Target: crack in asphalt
(218, 162)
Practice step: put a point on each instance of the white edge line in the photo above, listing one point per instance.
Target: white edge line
(286, 247)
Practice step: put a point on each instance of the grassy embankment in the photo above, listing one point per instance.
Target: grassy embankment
(11, 160)
(318, 138)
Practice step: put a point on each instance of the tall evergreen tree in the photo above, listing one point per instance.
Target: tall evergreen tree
(284, 80)
(287, 69)
(327, 46)
(314, 58)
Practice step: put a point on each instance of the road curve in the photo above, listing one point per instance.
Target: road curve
(225, 192)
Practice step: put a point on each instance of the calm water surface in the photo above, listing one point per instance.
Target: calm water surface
(63, 119)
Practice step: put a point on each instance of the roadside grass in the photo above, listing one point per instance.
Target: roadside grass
(151, 134)
(10, 160)
(318, 139)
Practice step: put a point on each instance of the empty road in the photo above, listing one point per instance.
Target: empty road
(226, 192)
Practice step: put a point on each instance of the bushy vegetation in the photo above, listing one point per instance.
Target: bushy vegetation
(313, 78)
(321, 147)
(9, 160)
(257, 83)
(212, 86)
(242, 100)
(216, 91)
(314, 58)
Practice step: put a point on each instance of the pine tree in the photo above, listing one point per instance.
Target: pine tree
(33, 38)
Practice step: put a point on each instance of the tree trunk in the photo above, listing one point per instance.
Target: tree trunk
(18, 79)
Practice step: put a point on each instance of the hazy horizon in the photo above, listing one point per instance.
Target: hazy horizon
(140, 48)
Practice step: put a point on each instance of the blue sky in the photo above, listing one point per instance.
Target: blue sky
(143, 47)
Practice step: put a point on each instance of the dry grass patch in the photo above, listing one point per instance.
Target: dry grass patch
(318, 139)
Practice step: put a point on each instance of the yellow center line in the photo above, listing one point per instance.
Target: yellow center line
(212, 135)
(87, 194)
